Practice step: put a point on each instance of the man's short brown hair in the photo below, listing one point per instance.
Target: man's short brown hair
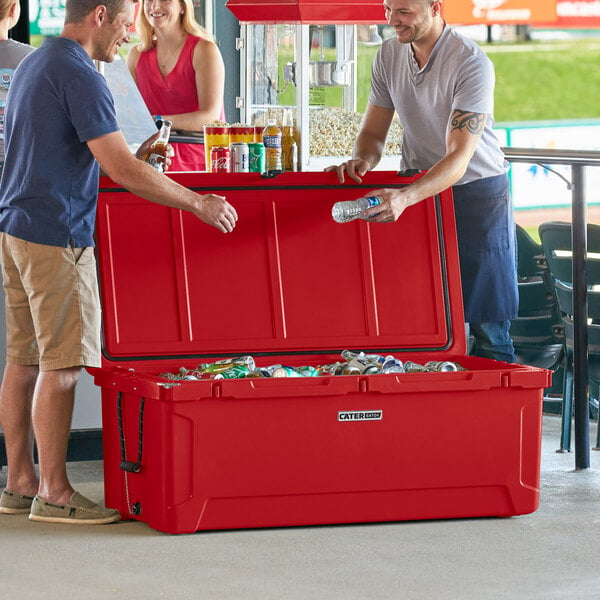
(77, 10)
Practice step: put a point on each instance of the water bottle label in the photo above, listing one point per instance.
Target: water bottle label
(272, 141)
(373, 201)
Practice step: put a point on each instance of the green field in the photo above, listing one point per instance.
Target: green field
(535, 81)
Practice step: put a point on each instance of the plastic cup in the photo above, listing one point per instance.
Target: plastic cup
(241, 134)
(215, 135)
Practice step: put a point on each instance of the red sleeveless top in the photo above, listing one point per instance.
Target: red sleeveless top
(174, 94)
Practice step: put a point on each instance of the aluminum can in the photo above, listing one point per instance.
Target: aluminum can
(284, 371)
(257, 157)
(350, 369)
(443, 366)
(222, 365)
(307, 371)
(257, 374)
(268, 371)
(219, 159)
(336, 368)
(235, 372)
(374, 358)
(412, 367)
(240, 158)
(365, 365)
(392, 365)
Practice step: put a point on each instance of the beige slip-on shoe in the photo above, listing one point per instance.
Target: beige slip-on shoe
(79, 511)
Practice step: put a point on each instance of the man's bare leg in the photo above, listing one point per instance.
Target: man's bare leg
(53, 402)
(16, 396)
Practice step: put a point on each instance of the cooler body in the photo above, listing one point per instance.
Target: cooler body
(290, 286)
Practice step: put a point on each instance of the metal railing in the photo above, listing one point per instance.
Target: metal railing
(578, 161)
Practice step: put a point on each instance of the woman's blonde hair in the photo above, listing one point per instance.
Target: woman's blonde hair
(188, 21)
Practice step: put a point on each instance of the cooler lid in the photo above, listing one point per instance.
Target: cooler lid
(307, 11)
(288, 279)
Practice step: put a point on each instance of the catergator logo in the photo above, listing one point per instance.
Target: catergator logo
(360, 415)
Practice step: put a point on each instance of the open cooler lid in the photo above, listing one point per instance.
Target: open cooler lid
(287, 280)
(350, 12)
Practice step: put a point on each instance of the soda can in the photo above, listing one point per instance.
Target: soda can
(412, 367)
(222, 365)
(336, 368)
(284, 371)
(219, 159)
(307, 371)
(235, 372)
(443, 366)
(361, 356)
(392, 365)
(268, 371)
(257, 157)
(364, 364)
(170, 376)
(255, 374)
(240, 158)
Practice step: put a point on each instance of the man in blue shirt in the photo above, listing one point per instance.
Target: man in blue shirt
(60, 129)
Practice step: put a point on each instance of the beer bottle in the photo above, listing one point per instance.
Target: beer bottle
(158, 151)
(289, 148)
(272, 143)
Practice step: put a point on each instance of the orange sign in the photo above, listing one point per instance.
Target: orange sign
(577, 14)
(488, 12)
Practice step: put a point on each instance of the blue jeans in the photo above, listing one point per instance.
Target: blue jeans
(492, 340)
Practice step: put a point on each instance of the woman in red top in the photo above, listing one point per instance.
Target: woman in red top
(179, 72)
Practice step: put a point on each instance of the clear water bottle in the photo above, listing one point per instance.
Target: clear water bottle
(348, 210)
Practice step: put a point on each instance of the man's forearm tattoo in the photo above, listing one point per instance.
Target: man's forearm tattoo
(471, 121)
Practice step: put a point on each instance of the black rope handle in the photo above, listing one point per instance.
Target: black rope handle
(127, 465)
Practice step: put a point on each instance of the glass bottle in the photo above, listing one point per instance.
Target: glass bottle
(158, 150)
(289, 148)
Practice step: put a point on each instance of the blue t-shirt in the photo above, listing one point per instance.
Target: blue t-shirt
(56, 103)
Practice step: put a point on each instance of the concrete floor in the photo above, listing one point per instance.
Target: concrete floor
(552, 553)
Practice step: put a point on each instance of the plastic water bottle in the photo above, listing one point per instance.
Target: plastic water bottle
(272, 142)
(348, 210)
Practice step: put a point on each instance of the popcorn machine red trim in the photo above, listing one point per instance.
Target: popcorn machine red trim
(307, 11)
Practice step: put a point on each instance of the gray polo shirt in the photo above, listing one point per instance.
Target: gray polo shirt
(458, 75)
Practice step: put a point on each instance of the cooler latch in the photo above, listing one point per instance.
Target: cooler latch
(127, 465)
(409, 172)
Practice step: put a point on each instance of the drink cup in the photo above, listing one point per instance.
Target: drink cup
(241, 134)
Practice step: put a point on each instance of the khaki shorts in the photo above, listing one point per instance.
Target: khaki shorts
(52, 305)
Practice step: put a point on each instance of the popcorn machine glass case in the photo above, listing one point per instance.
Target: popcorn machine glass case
(308, 64)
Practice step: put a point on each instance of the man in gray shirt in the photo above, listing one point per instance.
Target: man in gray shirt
(442, 87)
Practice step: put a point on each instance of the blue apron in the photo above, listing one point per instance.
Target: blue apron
(487, 249)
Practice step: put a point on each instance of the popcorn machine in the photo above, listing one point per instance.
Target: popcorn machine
(302, 56)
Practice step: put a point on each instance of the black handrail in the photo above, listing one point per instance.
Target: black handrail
(578, 160)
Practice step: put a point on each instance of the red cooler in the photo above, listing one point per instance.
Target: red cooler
(290, 286)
